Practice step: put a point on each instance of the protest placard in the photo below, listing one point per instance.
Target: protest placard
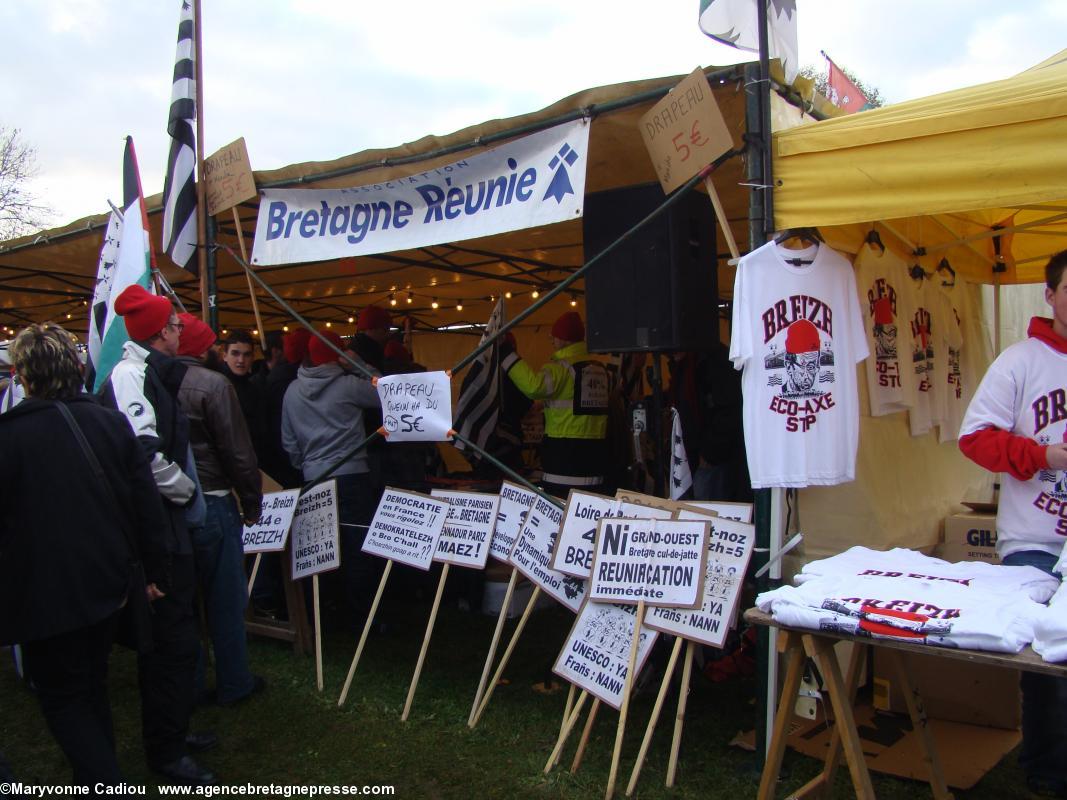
(597, 650)
(469, 524)
(406, 527)
(742, 512)
(573, 554)
(416, 407)
(515, 501)
(269, 533)
(315, 529)
(730, 546)
(228, 177)
(660, 562)
(532, 555)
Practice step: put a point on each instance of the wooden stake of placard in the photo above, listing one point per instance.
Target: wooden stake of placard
(720, 214)
(494, 643)
(318, 631)
(425, 643)
(255, 571)
(627, 690)
(656, 709)
(366, 631)
(566, 732)
(567, 708)
(585, 735)
(534, 596)
(679, 717)
(251, 287)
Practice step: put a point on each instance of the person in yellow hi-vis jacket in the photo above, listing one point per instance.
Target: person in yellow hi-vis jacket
(575, 389)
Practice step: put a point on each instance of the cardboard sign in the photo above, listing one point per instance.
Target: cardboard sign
(532, 555)
(515, 501)
(406, 528)
(596, 655)
(573, 554)
(316, 546)
(742, 512)
(228, 177)
(658, 561)
(416, 407)
(649, 500)
(685, 131)
(729, 549)
(469, 524)
(275, 516)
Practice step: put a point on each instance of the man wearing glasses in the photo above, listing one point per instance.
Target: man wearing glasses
(144, 386)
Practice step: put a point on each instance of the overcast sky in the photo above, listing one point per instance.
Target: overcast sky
(314, 80)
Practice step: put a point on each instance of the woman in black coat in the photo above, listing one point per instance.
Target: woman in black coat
(64, 556)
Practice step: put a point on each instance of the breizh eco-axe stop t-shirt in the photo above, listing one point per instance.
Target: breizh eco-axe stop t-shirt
(798, 334)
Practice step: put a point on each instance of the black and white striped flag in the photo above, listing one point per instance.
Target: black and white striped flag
(179, 187)
(478, 408)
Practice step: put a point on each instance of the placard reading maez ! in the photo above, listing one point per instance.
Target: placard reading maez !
(515, 501)
(315, 532)
(658, 561)
(533, 554)
(573, 554)
(269, 533)
(406, 527)
(468, 526)
(596, 655)
(416, 407)
(729, 550)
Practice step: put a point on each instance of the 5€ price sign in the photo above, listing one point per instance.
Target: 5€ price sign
(685, 131)
(228, 177)
(416, 407)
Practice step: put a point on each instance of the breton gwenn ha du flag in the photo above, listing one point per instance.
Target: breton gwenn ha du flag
(681, 476)
(478, 408)
(735, 22)
(179, 186)
(125, 259)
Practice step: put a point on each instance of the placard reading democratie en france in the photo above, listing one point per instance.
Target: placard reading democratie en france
(596, 655)
(515, 501)
(315, 532)
(660, 562)
(268, 534)
(729, 549)
(573, 554)
(533, 554)
(406, 528)
(464, 539)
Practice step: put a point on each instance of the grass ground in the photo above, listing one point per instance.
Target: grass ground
(293, 734)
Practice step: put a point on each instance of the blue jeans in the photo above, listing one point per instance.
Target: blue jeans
(220, 570)
(1044, 753)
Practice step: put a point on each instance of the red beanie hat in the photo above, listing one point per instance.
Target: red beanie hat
(396, 351)
(569, 327)
(145, 314)
(373, 318)
(318, 351)
(295, 345)
(196, 337)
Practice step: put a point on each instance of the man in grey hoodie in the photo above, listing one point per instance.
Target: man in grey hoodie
(322, 421)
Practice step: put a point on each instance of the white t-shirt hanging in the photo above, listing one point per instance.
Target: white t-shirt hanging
(926, 410)
(797, 334)
(888, 305)
(952, 373)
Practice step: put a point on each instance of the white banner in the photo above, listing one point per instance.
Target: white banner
(416, 407)
(533, 181)
(468, 526)
(316, 545)
(269, 533)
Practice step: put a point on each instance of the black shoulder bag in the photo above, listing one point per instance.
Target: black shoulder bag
(135, 622)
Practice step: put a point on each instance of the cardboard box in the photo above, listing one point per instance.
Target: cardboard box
(970, 537)
(952, 690)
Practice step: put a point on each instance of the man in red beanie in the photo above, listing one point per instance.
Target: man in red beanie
(372, 332)
(144, 386)
(226, 465)
(322, 423)
(574, 389)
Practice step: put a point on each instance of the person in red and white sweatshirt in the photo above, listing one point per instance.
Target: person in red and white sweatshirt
(1016, 424)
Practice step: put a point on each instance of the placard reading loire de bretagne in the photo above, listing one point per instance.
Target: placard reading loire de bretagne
(464, 539)
(660, 562)
(515, 501)
(315, 532)
(269, 533)
(729, 550)
(406, 528)
(533, 554)
(596, 655)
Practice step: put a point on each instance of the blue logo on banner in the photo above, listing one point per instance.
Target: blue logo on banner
(561, 181)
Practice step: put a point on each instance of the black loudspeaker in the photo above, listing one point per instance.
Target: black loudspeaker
(657, 291)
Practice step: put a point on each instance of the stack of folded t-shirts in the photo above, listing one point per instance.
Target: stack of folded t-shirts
(904, 595)
(1050, 629)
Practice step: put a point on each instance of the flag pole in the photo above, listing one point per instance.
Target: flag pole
(207, 282)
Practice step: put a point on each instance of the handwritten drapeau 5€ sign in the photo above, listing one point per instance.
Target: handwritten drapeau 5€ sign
(685, 131)
(228, 177)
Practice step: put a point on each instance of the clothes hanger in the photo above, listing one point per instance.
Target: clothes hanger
(944, 266)
(875, 240)
(809, 235)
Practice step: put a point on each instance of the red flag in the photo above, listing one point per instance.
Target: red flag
(843, 93)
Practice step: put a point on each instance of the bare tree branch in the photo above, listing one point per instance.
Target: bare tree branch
(20, 211)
